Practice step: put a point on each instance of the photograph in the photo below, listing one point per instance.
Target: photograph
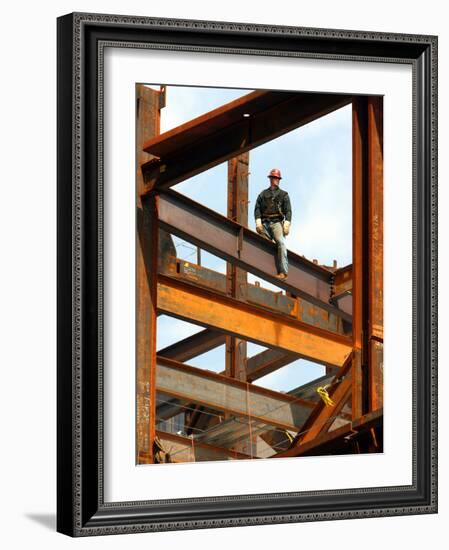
(259, 273)
(246, 272)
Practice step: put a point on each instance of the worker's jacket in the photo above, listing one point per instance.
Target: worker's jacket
(273, 205)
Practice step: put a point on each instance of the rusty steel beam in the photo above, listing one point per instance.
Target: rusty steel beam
(347, 436)
(327, 413)
(224, 133)
(231, 396)
(367, 270)
(375, 375)
(236, 278)
(314, 445)
(342, 289)
(319, 420)
(230, 316)
(186, 449)
(359, 252)
(194, 345)
(257, 295)
(308, 390)
(244, 248)
(147, 125)
(267, 362)
(375, 333)
(343, 280)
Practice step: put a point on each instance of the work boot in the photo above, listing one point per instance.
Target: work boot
(281, 275)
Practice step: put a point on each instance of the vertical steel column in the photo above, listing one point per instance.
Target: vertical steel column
(148, 103)
(375, 253)
(367, 393)
(236, 278)
(359, 312)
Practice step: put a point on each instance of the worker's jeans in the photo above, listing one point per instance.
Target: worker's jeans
(275, 232)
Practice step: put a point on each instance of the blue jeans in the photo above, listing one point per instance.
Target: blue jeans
(274, 231)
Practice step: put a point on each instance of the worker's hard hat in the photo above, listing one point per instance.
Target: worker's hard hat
(275, 173)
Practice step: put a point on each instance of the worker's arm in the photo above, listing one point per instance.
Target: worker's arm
(287, 210)
(258, 215)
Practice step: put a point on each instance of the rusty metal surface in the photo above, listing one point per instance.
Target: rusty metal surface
(148, 121)
(376, 381)
(244, 248)
(375, 215)
(238, 319)
(268, 361)
(192, 346)
(317, 442)
(227, 415)
(236, 278)
(322, 416)
(184, 449)
(259, 296)
(229, 395)
(375, 332)
(359, 252)
(218, 136)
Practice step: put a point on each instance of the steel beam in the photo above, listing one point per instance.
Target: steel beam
(236, 278)
(231, 396)
(194, 345)
(367, 270)
(319, 420)
(186, 449)
(259, 296)
(225, 132)
(359, 252)
(313, 446)
(375, 254)
(235, 318)
(147, 121)
(244, 248)
(267, 362)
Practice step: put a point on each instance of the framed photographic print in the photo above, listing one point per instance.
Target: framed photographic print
(247, 258)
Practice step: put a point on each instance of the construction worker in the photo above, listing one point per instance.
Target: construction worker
(273, 215)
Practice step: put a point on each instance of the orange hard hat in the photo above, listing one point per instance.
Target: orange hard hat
(275, 173)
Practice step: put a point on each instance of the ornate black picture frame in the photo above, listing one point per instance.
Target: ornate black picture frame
(81, 509)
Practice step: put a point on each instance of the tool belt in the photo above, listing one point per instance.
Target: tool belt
(272, 217)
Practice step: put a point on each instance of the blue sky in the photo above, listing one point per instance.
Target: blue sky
(315, 161)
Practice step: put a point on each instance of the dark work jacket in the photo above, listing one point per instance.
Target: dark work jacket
(273, 205)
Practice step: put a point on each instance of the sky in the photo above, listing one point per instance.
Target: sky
(316, 166)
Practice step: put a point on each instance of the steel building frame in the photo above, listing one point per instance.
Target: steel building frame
(329, 315)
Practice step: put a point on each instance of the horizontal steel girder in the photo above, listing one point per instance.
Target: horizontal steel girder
(245, 248)
(184, 449)
(228, 315)
(297, 308)
(224, 133)
(230, 395)
(194, 345)
(267, 362)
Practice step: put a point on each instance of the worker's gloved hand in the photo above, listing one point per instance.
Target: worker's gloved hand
(259, 226)
(286, 227)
